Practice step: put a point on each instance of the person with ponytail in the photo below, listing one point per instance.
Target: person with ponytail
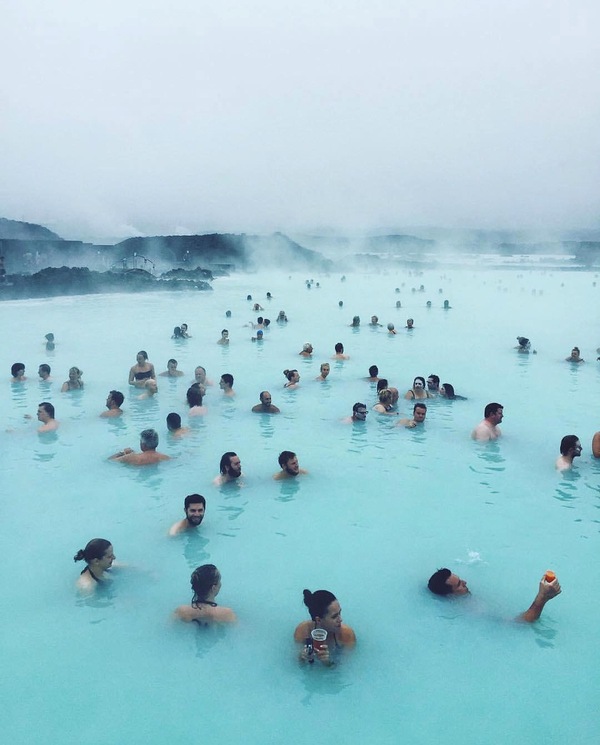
(98, 556)
(206, 584)
(326, 613)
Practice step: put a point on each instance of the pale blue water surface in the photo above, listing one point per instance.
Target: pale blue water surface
(380, 510)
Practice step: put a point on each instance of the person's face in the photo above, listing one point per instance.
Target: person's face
(442, 391)
(224, 334)
(361, 414)
(151, 387)
(235, 466)
(292, 466)
(325, 369)
(575, 354)
(417, 384)
(72, 374)
(409, 323)
(431, 384)
(576, 450)
(184, 327)
(42, 373)
(332, 620)
(171, 366)
(217, 584)
(374, 319)
(107, 559)
(295, 377)
(42, 414)
(20, 372)
(458, 585)
(419, 414)
(498, 416)
(195, 513)
(265, 400)
(109, 401)
(199, 375)
(222, 384)
(140, 359)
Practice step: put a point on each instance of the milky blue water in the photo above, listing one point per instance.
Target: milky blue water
(380, 510)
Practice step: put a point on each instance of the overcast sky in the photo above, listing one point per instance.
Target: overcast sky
(134, 117)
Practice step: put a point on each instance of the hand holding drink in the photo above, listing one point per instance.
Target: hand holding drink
(319, 646)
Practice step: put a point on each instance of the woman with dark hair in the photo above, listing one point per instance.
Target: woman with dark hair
(141, 371)
(18, 372)
(206, 583)
(447, 391)
(326, 614)
(98, 556)
(293, 378)
(418, 391)
(177, 333)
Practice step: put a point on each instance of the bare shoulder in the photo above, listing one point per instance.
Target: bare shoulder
(177, 528)
(347, 636)
(303, 630)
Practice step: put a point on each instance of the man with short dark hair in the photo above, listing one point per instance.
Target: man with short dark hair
(44, 372)
(373, 374)
(570, 447)
(359, 414)
(174, 425)
(226, 384)
(488, 429)
(230, 467)
(265, 406)
(45, 415)
(194, 506)
(444, 582)
(149, 454)
(433, 384)
(113, 404)
(418, 417)
(289, 466)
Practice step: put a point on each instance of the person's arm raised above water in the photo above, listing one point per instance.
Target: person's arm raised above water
(546, 592)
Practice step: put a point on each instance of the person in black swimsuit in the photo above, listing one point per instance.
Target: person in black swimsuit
(98, 556)
(326, 614)
(206, 584)
(141, 371)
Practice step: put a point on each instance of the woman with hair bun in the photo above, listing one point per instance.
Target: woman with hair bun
(326, 614)
(98, 556)
(293, 378)
(206, 584)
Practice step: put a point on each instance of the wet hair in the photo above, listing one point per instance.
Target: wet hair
(437, 582)
(149, 438)
(173, 421)
(575, 349)
(398, 304)
(262, 394)
(248, 297)
(76, 370)
(194, 395)
(45, 368)
(49, 337)
(228, 314)
(449, 390)
(373, 371)
(385, 396)
(523, 341)
(421, 378)
(339, 348)
(171, 361)
(356, 321)
(325, 364)
(193, 499)
(358, 406)
(568, 442)
(318, 602)
(284, 457)
(289, 374)
(48, 408)
(260, 319)
(226, 461)
(381, 384)
(14, 369)
(491, 409)
(95, 549)
(202, 580)
(435, 378)
(224, 331)
(177, 333)
(143, 353)
(117, 397)
(267, 322)
(419, 406)
(227, 378)
(390, 326)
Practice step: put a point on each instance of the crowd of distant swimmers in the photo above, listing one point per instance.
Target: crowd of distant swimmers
(325, 633)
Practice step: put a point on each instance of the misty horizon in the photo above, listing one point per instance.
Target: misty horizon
(134, 118)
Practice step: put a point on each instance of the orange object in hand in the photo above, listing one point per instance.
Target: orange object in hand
(550, 576)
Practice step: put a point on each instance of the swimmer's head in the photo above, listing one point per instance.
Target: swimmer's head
(96, 549)
(339, 348)
(356, 321)
(524, 342)
(390, 326)
(173, 421)
(204, 578)
(228, 314)
(373, 371)
(381, 384)
(194, 396)
(570, 443)
(49, 337)
(318, 602)
(149, 439)
(17, 370)
(443, 582)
